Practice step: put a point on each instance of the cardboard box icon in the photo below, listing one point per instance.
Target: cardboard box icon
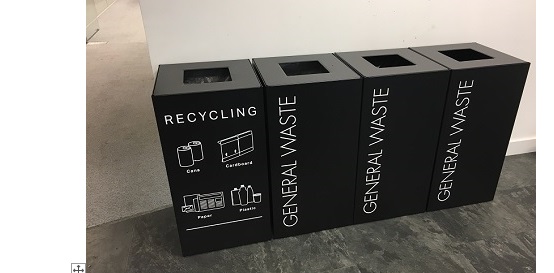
(237, 145)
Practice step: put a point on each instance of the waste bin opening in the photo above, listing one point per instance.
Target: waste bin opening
(392, 60)
(463, 55)
(303, 68)
(210, 75)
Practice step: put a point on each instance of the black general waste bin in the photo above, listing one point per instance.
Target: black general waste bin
(402, 106)
(313, 114)
(481, 106)
(211, 124)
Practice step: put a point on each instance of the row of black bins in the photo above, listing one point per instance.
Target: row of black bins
(289, 145)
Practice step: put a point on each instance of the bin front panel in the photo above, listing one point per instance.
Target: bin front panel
(215, 152)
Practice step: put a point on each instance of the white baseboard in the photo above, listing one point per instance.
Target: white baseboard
(522, 146)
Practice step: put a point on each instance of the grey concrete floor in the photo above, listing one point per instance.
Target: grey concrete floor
(125, 171)
(496, 236)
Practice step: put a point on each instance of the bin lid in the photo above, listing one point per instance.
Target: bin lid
(466, 55)
(388, 62)
(183, 78)
(302, 69)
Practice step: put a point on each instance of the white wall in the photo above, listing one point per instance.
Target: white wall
(94, 9)
(92, 16)
(208, 30)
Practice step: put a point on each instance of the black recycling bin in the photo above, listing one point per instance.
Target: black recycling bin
(211, 124)
(402, 106)
(481, 106)
(313, 113)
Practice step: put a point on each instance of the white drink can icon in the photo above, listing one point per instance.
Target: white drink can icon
(184, 154)
(197, 153)
(257, 197)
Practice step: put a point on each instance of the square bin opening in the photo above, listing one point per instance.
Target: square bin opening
(462, 55)
(303, 68)
(206, 75)
(384, 61)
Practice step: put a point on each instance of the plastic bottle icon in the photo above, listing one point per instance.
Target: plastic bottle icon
(243, 195)
(235, 198)
(250, 194)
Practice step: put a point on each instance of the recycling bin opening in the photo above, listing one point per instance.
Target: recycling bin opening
(383, 61)
(210, 75)
(303, 68)
(463, 55)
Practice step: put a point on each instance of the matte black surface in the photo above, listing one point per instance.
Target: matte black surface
(214, 142)
(313, 129)
(402, 110)
(497, 236)
(481, 107)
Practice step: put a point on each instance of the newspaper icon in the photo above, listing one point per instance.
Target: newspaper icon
(203, 202)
